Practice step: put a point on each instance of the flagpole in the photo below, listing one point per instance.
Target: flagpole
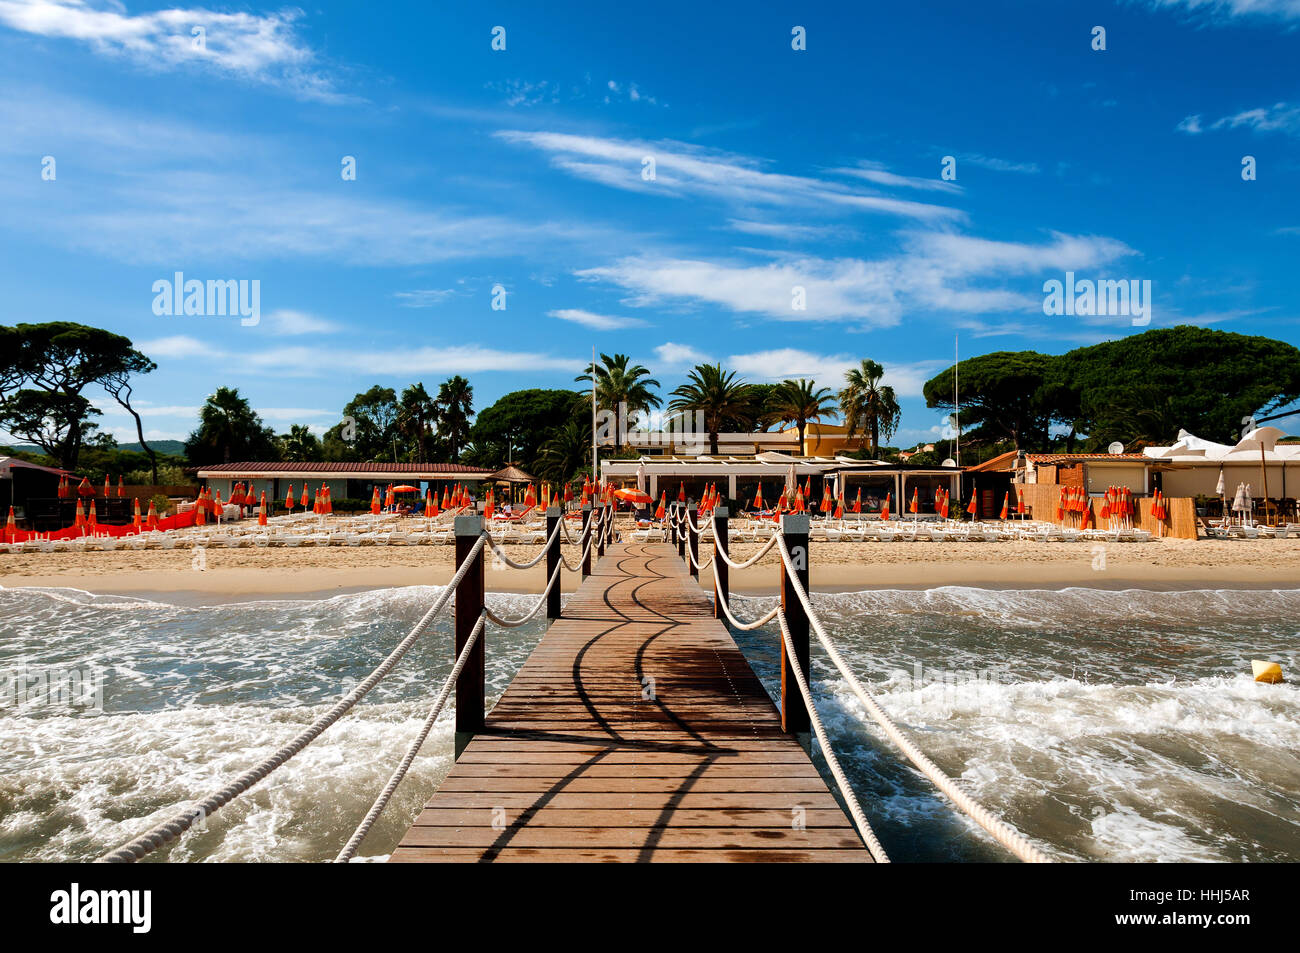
(595, 477)
(956, 400)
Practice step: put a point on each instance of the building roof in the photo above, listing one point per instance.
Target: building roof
(7, 465)
(1002, 463)
(358, 471)
(1050, 458)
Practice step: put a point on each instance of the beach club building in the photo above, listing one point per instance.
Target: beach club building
(739, 477)
(355, 481)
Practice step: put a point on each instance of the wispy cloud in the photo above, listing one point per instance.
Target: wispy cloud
(423, 298)
(295, 361)
(877, 173)
(1228, 9)
(792, 233)
(998, 165)
(683, 170)
(288, 321)
(259, 48)
(598, 322)
(939, 271)
(1280, 117)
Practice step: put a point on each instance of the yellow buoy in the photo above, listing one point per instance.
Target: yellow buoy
(1270, 672)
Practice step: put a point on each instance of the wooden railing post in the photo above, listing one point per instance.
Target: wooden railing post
(721, 578)
(586, 536)
(681, 533)
(692, 540)
(470, 697)
(794, 714)
(600, 538)
(553, 516)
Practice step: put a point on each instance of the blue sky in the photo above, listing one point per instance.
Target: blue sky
(774, 168)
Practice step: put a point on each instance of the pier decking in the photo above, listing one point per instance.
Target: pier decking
(636, 731)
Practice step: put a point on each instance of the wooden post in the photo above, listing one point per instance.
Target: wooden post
(600, 539)
(721, 579)
(553, 516)
(470, 697)
(794, 714)
(586, 535)
(681, 534)
(692, 540)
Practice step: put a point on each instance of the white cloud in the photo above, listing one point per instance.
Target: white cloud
(998, 165)
(827, 370)
(263, 48)
(874, 172)
(675, 356)
(792, 233)
(683, 170)
(1275, 9)
(940, 271)
(599, 322)
(287, 321)
(1280, 117)
(423, 298)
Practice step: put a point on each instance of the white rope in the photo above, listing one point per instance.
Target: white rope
(516, 623)
(591, 539)
(170, 830)
(354, 842)
(726, 556)
(1002, 832)
(500, 553)
(695, 561)
(726, 609)
(855, 809)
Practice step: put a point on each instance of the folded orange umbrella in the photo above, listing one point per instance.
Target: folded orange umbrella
(288, 498)
(1006, 505)
(92, 521)
(306, 499)
(151, 521)
(374, 502)
(857, 502)
(261, 510)
(136, 522)
(884, 510)
(662, 510)
(758, 496)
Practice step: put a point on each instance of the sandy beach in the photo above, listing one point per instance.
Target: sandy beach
(261, 573)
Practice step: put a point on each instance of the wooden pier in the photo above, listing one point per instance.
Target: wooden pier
(636, 731)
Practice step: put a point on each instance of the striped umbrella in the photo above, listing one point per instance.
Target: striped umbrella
(136, 522)
(151, 521)
(261, 510)
(884, 510)
(857, 501)
(758, 496)
(1006, 505)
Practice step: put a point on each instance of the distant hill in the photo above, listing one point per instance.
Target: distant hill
(175, 447)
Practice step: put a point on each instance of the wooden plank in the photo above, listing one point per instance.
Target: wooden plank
(579, 761)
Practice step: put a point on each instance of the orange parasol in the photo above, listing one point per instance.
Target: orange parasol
(85, 489)
(261, 510)
(11, 528)
(105, 486)
(81, 515)
(288, 498)
(637, 497)
(1006, 505)
(151, 521)
(120, 492)
(663, 505)
(374, 502)
(758, 497)
(136, 520)
(306, 499)
(92, 521)
(974, 503)
(884, 510)
(916, 500)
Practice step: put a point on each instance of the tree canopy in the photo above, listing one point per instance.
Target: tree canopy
(229, 430)
(1138, 390)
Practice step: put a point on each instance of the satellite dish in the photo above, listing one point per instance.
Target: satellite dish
(1116, 448)
(949, 462)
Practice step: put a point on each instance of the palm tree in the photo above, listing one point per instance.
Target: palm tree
(620, 384)
(796, 402)
(415, 413)
(299, 444)
(228, 425)
(454, 407)
(867, 405)
(566, 452)
(723, 400)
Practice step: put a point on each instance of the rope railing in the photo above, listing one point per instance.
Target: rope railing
(377, 808)
(597, 533)
(999, 830)
(828, 752)
(169, 830)
(1002, 832)
(541, 602)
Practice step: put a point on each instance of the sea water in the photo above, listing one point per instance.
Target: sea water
(1119, 726)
